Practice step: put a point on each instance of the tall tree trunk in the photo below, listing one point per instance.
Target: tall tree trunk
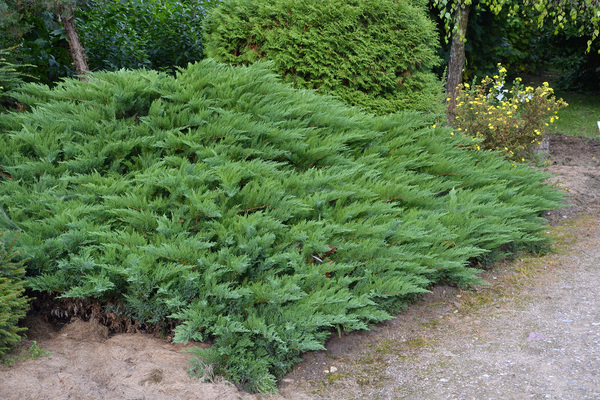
(77, 50)
(457, 61)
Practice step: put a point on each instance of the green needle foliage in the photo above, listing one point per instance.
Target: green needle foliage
(378, 55)
(248, 213)
(13, 305)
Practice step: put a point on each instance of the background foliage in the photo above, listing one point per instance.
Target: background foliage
(165, 34)
(577, 70)
(11, 76)
(154, 34)
(376, 55)
(116, 34)
(249, 213)
(38, 40)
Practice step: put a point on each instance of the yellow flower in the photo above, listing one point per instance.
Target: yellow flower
(467, 85)
(433, 126)
(451, 133)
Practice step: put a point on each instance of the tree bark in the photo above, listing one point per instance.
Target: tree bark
(456, 62)
(77, 50)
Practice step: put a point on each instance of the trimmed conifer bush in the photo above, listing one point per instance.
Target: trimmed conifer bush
(13, 305)
(378, 55)
(248, 213)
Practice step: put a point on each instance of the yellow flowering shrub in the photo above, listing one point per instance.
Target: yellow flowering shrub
(511, 120)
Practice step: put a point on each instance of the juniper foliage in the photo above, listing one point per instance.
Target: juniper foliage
(248, 213)
(13, 304)
(378, 55)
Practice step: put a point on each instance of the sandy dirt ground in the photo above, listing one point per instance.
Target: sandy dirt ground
(532, 333)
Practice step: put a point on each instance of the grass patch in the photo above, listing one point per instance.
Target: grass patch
(581, 117)
(31, 353)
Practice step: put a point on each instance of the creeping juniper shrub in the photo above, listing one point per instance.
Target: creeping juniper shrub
(13, 303)
(512, 120)
(248, 213)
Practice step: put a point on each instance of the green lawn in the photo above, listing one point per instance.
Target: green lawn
(581, 117)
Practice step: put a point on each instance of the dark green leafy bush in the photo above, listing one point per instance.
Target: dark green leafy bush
(42, 47)
(157, 34)
(378, 55)
(249, 213)
(11, 76)
(579, 71)
(13, 305)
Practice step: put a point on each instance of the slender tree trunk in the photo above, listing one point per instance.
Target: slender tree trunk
(77, 50)
(457, 61)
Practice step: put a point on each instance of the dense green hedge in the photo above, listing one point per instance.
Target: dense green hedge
(375, 54)
(13, 305)
(249, 213)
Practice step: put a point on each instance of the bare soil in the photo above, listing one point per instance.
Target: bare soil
(533, 332)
